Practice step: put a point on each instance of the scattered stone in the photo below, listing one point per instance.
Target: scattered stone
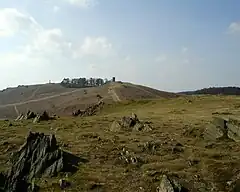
(89, 111)
(170, 185)
(177, 149)
(39, 155)
(64, 184)
(131, 123)
(129, 158)
(149, 146)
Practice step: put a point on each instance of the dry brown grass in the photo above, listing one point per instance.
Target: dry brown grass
(63, 101)
(201, 166)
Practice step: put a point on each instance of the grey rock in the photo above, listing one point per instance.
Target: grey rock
(165, 185)
(170, 185)
(213, 132)
(43, 117)
(130, 123)
(39, 155)
(30, 115)
(220, 122)
(221, 128)
(233, 126)
(20, 117)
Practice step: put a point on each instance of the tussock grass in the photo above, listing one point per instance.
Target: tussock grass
(177, 120)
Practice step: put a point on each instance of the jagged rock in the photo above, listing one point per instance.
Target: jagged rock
(131, 123)
(43, 117)
(89, 111)
(233, 126)
(20, 117)
(30, 115)
(39, 155)
(170, 185)
(165, 185)
(222, 128)
(213, 132)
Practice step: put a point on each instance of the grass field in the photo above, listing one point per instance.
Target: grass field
(199, 165)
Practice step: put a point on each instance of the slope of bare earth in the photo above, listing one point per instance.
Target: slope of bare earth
(199, 165)
(63, 101)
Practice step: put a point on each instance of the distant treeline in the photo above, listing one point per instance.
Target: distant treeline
(84, 82)
(215, 91)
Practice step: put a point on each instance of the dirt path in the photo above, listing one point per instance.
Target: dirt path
(113, 94)
(40, 99)
(16, 109)
(34, 93)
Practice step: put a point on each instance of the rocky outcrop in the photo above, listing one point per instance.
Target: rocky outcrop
(43, 117)
(36, 117)
(223, 128)
(233, 126)
(89, 111)
(216, 129)
(28, 115)
(131, 123)
(38, 156)
(170, 185)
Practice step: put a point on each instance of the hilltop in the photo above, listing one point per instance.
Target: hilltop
(62, 100)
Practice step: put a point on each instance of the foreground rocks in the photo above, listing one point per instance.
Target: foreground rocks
(38, 156)
(89, 111)
(170, 185)
(131, 123)
(223, 128)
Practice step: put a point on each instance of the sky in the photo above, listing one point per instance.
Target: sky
(171, 45)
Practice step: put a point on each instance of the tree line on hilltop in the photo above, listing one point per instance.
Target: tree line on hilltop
(84, 82)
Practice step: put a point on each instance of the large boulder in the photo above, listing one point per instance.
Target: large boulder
(39, 155)
(223, 128)
(233, 126)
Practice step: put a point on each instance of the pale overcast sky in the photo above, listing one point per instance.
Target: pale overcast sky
(171, 45)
